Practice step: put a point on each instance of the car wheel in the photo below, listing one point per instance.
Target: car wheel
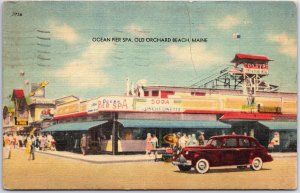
(202, 166)
(184, 168)
(256, 164)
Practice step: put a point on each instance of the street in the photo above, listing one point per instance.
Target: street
(50, 172)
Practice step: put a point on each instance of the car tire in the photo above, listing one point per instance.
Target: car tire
(202, 166)
(256, 164)
(184, 168)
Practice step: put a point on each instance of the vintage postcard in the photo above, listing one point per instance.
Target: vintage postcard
(176, 95)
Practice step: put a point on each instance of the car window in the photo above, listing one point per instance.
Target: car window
(244, 143)
(216, 143)
(253, 144)
(230, 142)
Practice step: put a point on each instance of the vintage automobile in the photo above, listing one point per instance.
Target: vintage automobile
(228, 150)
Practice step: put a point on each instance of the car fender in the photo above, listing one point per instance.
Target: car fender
(200, 155)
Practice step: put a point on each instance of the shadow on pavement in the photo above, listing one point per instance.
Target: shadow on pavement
(221, 170)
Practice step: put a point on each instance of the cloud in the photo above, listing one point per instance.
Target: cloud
(64, 32)
(136, 30)
(196, 54)
(86, 71)
(228, 22)
(287, 45)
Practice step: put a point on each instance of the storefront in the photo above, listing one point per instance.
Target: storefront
(130, 134)
(283, 135)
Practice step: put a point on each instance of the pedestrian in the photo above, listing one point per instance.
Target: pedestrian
(28, 147)
(154, 141)
(193, 141)
(43, 143)
(20, 141)
(83, 144)
(182, 141)
(201, 139)
(33, 146)
(149, 146)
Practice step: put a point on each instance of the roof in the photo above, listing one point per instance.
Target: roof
(18, 93)
(80, 126)
(252, 116)
(275, 125)
(214, 124)
(242, 57)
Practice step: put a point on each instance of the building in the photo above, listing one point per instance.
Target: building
(245, 105)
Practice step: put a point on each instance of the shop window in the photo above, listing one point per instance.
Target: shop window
(146, 93)
(155, 93)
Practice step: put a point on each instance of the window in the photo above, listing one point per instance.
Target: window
(231, 142)
(244, 142)
(155, 93)
(253, 144)
(146, 93)
(216, 143)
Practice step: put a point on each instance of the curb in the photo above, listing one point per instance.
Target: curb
(97, 162)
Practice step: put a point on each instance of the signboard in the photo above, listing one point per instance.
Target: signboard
(36, 90)
(110, 103)
(156, 105)
(256, 68)
(42, 101)
(20, 121)
(266, 109)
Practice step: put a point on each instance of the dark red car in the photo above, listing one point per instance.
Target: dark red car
(227, 150)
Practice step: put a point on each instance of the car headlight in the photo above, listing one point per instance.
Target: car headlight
(187, 152)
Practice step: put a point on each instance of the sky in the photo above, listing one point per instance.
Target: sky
(55, 41)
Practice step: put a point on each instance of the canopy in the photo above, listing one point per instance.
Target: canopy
(272, 125)
(214, 124)
(82, 126)
(245, 57)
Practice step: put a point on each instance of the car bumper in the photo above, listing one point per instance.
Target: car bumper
(176, 163)
(182, 161)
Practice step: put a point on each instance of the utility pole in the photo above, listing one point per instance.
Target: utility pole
(115, 131)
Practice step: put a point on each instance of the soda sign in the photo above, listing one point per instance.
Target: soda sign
(110, 103)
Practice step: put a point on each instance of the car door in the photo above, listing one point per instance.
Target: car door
(244, 151)
(229, 151)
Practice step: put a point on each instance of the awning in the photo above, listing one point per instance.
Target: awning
(174, 124)
(82, 126)
(272, 125)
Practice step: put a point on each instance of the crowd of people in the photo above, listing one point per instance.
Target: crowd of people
(179, 141)
(30, 142)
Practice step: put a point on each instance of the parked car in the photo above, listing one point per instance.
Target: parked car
(228, 150)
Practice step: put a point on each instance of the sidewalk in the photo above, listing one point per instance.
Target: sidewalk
(108, 159)
(103, 158)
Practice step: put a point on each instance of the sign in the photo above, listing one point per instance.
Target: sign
(266, 109)
(20, 121)
(156, 105)
(110, 103)
(38, 90)
(42, 101)
(256, 68)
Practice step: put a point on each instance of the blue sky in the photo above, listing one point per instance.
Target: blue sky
(75, 65)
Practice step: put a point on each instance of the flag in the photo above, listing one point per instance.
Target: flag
(236, 36)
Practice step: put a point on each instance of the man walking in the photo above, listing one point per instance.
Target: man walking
(83, 144)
